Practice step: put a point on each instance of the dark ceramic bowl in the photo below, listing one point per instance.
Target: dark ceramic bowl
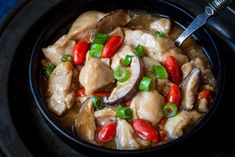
(60, 25)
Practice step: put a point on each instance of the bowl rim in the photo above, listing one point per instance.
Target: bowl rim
(62, 133)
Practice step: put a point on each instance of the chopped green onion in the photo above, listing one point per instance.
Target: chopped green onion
(97, 102)
(123, 112)
(160, 34)
(49, 70)
(96, 50)
(170, 110)
(66, 58)
(145, 84)
(159, 71)
(121, 74)
(139, 51)
(127, 60)
(100, 39)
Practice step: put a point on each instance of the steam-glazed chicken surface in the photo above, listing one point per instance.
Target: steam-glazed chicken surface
(117, 80)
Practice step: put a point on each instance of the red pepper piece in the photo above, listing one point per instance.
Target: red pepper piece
(111, 46)
(146, 130)
(81, 92)
(107, 132)
(79, 53)
(173, 70)
(174, 95)
(206, 93)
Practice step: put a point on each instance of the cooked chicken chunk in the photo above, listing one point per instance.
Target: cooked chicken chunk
(176, 126)
(120, 55)
(189, 88)
(85, 122)
(95, 75)
(105, 116)
(161, 25)
(61, 97)
(111, 21)
(155, 47)
(202, 105)
(149, 63)
(148, 105)
(125, 136)
(163, 86)
(84, 24)
(54, 52)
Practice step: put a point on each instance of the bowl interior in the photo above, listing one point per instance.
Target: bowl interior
(62, 21)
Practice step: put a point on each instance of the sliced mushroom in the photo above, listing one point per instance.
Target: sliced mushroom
(61, 46)
(120, 55)
(125, 91)
(95, 75)
(111, 21)
(148, 105)
(125, 136)
(105, 116)
(84, 24)
(189, 88)
(178, 125)
(61, 96)
(85, 122)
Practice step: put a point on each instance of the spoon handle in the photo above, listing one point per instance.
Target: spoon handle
(213, 7)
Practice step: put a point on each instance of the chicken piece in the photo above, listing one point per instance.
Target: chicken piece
(149, 63)
(202, 105)
(148, 105)
(161, 25)
(154, 47)
(206, 74)
(60, 95)
(105, 116)
(61, 46)
(125, 136)
(163, 86)
(178, 125)
(116, 32)
(84, 24)
(106, 61)
(120, 55)
(111, 21)
(189, 87)
(85, 122)
(95, 75)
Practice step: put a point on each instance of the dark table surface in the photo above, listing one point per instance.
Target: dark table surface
(18, 111)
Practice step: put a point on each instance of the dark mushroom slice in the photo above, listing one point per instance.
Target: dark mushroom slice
(111, 21)
(189, 87)
(125, 91)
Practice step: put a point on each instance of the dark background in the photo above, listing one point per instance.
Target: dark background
(23, 133)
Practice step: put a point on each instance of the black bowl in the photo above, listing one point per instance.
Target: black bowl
(60, 25)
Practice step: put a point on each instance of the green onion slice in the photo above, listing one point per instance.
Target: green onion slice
(127, 60)
(139, 51)
(96, 50)
(49, 70)
(159, 71)
(123, 112)
(160, 34)
(170, 110)
(100, 38)
(66, 58)
(145, 84)
(97, 102)
(121, 74)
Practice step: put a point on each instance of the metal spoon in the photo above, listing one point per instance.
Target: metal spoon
(215, 6)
